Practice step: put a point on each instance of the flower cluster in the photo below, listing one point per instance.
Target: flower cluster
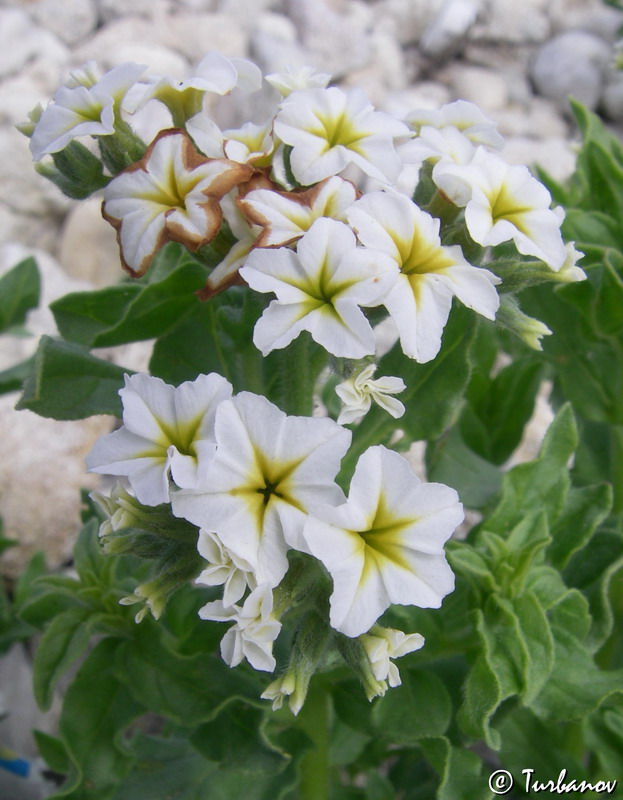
(331, 208)
(259, 485)
(303, 231)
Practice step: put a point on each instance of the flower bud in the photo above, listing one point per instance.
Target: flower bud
(529, 330)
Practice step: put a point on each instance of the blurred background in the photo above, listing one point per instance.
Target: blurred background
(518, 61)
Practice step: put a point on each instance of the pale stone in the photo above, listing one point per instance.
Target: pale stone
(246, 10)
(194, 34)
(586, 15)
(410, 18)
(446, 34)
(110, 10)
(541, 119)
(339, 41)
(424, 95)
(387, 69)
(23, 189)
(556, 156)
(33, 231)
(70, 20)
(160, 60)
(88, 245)
(274, 45)
(20, 42)
(525, 22)
(191, 35)
(571, 63)
(484, 87)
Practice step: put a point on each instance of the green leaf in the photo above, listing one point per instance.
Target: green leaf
(63, 642)
(58, 365)
(604, 735)
(592, 570)
(434, 390)
(418, 709)
(96, 711)
(587, 369)
(503, 406)
(188, 690)
(584, 510)
(216, 336)
(171, 769)
(487, 685)
(53, 752)
(451, 461)
(540, 484)
(20, 288)
(237, 740)
(593, 232)
(12, 379)
(576, 685)
(539, 644)
(130, 312)
(460, 771)
(531, 743)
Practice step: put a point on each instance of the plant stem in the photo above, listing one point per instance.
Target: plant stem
(314, 720)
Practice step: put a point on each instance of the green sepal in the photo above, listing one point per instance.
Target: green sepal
(76, 171)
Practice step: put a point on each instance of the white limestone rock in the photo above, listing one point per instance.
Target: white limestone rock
(446, 34)
(526, 22)
(23, 189)
(484, 87)
(110, 10)
(424, 95)
(70, 20)
(410, 18)
(340, 42)
(21, 41)
(41, 231)
(556, 156)
(88, 245)
(571, 63)
(540, 119)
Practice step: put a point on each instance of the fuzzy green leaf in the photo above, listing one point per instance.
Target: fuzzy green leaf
(20, 288)
(58, 365)
(418, 709)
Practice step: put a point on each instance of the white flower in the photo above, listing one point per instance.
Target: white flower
(328, 129)
(285, 216)
(269, 470)
(254, 631)
(319, 289)
(85, 106)
(504, 202)
(122, 509)
(215, 74)
(166, 430)
(570, 272)
(385, 544)
(249, 144)
(294, 79)
(225, 273)
(358, 392)
(430, 274)
(462, 116)
(283, 687)
(225, 569)
(172, 193)
(383, 644)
